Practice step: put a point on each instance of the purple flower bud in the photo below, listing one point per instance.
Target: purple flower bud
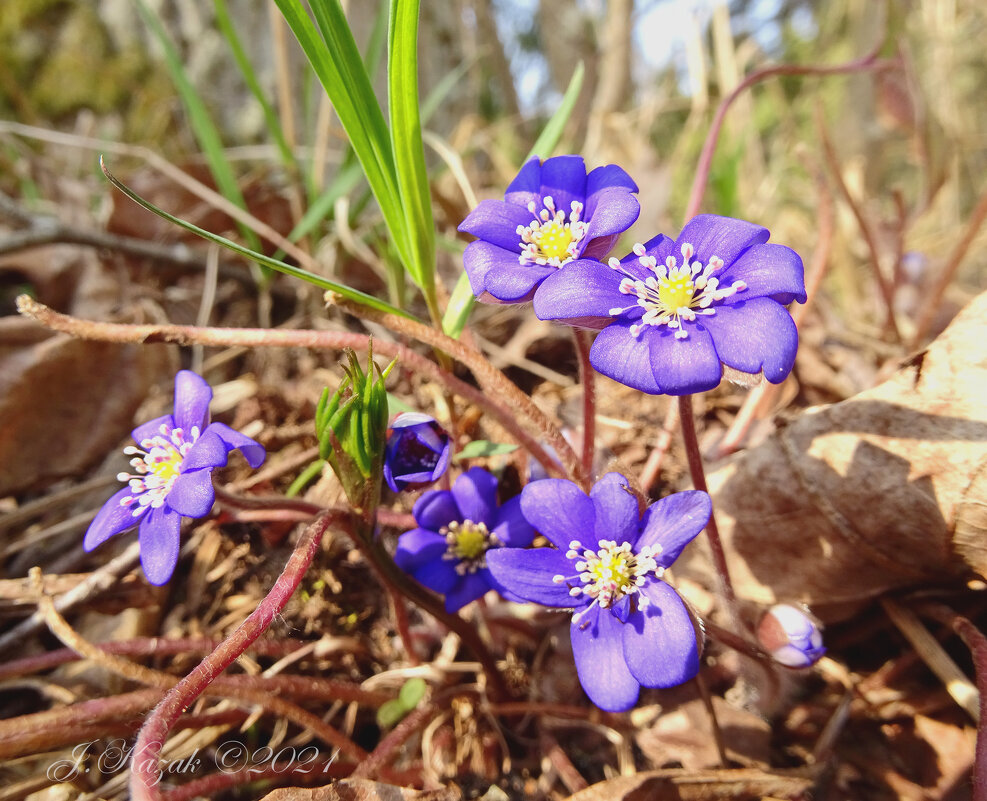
(418, 451)
(791, 635)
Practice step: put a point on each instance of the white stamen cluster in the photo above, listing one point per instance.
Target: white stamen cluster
(466, 544)
(673, 292)
(157, 463)
(610, 573)
(551, 239)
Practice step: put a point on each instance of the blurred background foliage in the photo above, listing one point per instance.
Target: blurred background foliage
(909, 143)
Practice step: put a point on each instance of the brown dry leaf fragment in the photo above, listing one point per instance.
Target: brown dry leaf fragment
(882, 490)
(361, 790)
(684, 736)
(708, 785)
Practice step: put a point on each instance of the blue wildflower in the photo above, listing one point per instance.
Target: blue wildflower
(791, 636)
(552, 213)
(457, 531)
(674, 314)
(629, 628)
(172, 477)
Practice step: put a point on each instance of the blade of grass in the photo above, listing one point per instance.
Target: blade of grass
(265, 261)
(204, 129)
(459, 308)
(552, 131)
(332, 53)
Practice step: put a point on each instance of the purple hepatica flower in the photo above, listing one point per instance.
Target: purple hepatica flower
(458, 530)
(792, 637)
(552, 213)
(629, 628)
(418, 450)
(674, 313)
(173, 466)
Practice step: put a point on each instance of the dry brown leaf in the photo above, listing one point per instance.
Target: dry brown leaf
(361, 790)
(708, 785)
(888, 488)
(66, 402)
(684, 736)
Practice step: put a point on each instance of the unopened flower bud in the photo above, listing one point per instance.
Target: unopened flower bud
(418, 451)
(791, 636)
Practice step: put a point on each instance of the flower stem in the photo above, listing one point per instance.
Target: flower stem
(145, 775)
(587, 378)
(720, 569)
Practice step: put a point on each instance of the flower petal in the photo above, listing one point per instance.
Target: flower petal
(152, 428)
(754, 336)
(481, 257)
(580, 289)
(563, 178)
(624, 358)
(615, 210)
(159, 542)
(673, 522)
(252, 451)
(192, 494)
(526, 186)
(601, 178)
(559, 510)
(512, 529)
(683, 366)
(528, 573)
(209, 451)
(192, 398)
(517, 284)
(473, 586)
(768, 270)
(435, 509)
(617, 514)
(475, 492)
(598, 651)
(111, 519)
(725, 237)
(418, 547)
(659, 642)
(497, 222)
(438, 575)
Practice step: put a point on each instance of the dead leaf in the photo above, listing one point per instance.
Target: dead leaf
(361, 790)
(709, 785)
(883, 490)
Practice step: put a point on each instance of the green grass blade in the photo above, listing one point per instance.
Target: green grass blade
(265, 261)
(406, 139)
(459, 308)
(336, 60)
(442, 89)
(206, 133)
(225, 24)
(552, 131)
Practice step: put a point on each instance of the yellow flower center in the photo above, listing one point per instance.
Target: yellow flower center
(553, 240)
(673, 293)
(157, 463)
(676, 292)
(466, 544)
(611, 572)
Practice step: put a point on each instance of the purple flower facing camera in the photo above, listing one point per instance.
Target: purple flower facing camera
(418, 451)
(553, 212)
(674, 313)
(172, 477)
(629, 628)
(457, 531)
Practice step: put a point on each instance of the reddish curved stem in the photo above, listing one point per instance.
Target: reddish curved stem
(144, 768)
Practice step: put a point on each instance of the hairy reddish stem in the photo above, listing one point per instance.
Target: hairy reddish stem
(145, 771)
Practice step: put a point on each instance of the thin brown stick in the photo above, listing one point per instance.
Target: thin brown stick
(928, 313)
(587, 377)
(278, 338)
(884, 285)
(651, 469)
